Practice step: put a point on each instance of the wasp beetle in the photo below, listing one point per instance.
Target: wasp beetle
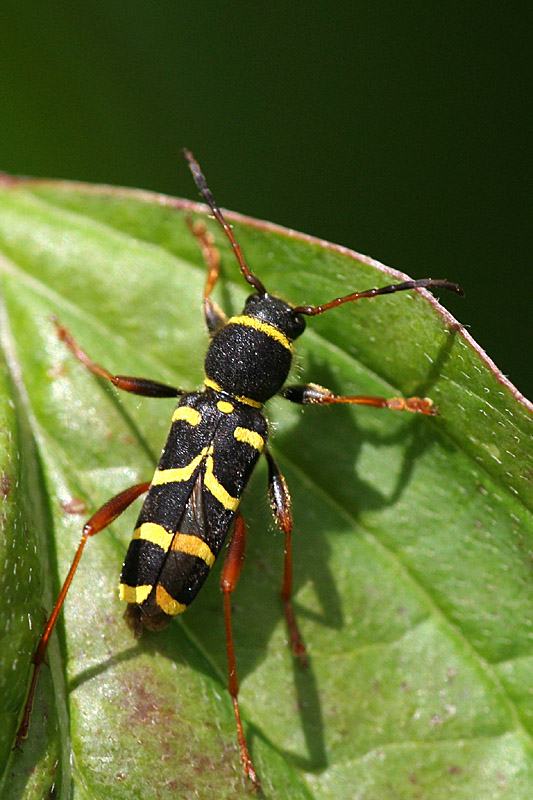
(217, 435)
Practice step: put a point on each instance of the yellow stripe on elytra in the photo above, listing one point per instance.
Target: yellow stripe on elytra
(134, 594)
(249, 437)
(152, 532)
(179, 474)
(193, 546)
(180, 542)
(264, 327)
(217, 490)
(225, 407)
(210, 482)
(209, 384)
(188, 414)
(167, 603)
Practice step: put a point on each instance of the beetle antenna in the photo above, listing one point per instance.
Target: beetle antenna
(422, 283)
(200, 181)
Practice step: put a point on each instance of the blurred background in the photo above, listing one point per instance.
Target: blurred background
(402, 130)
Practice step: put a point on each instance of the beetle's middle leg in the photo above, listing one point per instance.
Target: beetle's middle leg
(310, 394)
(280, 503)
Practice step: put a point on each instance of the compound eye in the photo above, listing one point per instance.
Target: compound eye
(298, 325)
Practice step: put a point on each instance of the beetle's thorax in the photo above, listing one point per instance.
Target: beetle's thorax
(251, 355)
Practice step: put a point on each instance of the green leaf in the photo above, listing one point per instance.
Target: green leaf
(412, 544)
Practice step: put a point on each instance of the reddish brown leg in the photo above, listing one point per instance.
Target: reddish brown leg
(100, 520)
(142, 386)
(313, 394)
(280, 503)
(214, 316)
(230, 576)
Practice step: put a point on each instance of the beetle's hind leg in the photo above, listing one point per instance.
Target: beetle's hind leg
(230, 576)
(142, 386)
(213, 314)
(100, 520)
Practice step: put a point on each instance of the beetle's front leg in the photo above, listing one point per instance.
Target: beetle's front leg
(313, 394)
(280, 503)
(142, 386)
(213, 314)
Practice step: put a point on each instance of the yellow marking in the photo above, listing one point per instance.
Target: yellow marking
(217, 490)
(209, 384)
(248, 401)
(167, 603)
(264, 327)
(225, 407)
(152, 532)
(193, 546)
(190, 415)
(250, 437)
(179, 474)
(134, 594)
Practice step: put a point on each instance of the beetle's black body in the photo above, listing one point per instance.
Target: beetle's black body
(191, 504)
(215, 440)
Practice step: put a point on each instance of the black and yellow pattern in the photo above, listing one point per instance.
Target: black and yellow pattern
(213, 445)
(261, 335)
(215, 440)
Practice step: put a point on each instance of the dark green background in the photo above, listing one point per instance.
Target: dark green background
(399, 129)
